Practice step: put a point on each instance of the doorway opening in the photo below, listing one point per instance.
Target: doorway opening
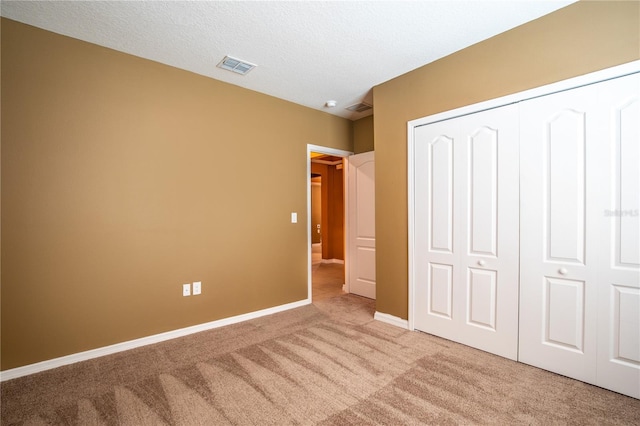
(326, 211)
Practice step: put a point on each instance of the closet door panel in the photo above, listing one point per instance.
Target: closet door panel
(489, 230)
(558, 292)
(618, 366)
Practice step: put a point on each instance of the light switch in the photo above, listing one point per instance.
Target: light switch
(294, 217)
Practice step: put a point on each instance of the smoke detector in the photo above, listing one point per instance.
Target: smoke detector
(236, 65)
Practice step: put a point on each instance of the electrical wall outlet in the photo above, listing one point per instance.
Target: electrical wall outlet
(197, 287)
(186, 289)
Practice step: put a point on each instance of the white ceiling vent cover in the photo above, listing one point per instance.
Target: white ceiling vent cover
(361, 107)
(236, 65)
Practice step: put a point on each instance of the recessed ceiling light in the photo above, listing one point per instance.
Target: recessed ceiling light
(236, 65)
(330, 104)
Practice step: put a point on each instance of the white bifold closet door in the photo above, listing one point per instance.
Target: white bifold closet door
(466, 230)
(580, 251)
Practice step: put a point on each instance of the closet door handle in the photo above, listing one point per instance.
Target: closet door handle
(563, 271)
(481, 262)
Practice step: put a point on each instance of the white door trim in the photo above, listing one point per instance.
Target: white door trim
(572, 83)
(328, 151)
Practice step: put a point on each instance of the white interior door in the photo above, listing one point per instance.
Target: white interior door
(362, 225)
(618, 351)
(559, 241)
(466, 230)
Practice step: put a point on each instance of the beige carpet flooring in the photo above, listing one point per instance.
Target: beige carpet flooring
(328, 363)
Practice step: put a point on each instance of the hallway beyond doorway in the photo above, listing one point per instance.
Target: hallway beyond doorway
(328, 296)
(327, 279)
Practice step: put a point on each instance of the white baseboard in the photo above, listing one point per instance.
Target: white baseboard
(333, 261)
(390, 319)
(143, 341)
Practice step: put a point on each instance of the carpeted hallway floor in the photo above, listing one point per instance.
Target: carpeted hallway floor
(327, 278)
(328, 363)
(327, 281)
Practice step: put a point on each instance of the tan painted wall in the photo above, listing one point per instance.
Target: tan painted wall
(581, 38)
(123, 178)
(363, 135)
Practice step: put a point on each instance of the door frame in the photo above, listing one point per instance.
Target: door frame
(338, 153)
(571, 83)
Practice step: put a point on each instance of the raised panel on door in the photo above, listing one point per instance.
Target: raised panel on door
(466, 230)
(563, 314)
(618, 365)
(564, 144)
(482, 298)
(440, 290)
(558, 243)
(361, 227)
(483, 191)
(440, 193)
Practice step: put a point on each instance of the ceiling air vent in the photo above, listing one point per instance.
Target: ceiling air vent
(361, 107)
(236, 65)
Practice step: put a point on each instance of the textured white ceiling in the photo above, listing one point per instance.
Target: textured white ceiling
(307, 52)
